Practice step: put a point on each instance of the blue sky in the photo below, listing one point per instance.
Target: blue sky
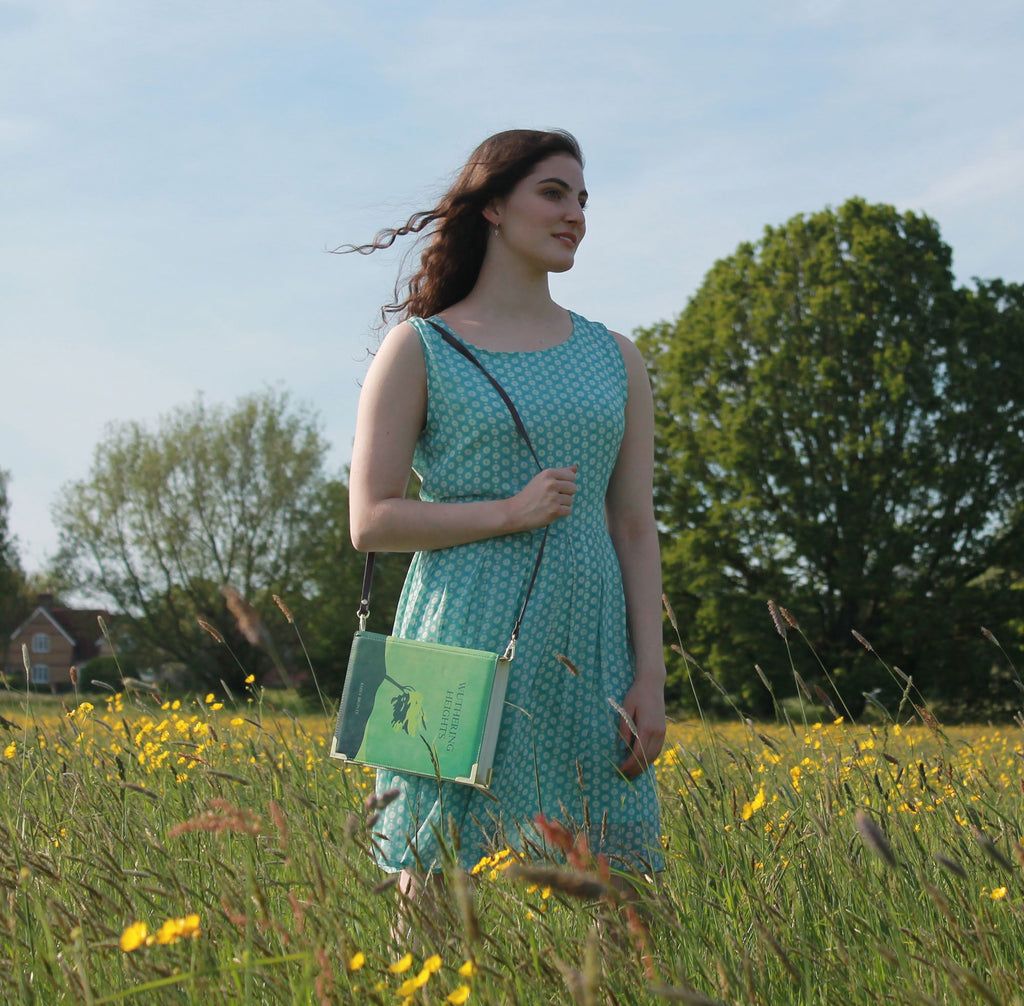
(172, 172)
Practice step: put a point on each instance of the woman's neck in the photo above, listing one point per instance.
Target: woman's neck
(507, 293)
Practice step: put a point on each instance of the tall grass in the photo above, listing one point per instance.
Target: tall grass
(207, 851)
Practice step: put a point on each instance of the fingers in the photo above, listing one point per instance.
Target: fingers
(644, 747)
(549, 496)
(638, 760)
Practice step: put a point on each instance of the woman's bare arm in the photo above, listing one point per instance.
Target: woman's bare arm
(629, 506)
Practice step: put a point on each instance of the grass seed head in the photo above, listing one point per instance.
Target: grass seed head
(863, 642)
(220, 816)
(790, 618)
(873, 836)
(764, 679)
(950, 864)
(802, 685)
(780, 625)
(988, 846)
(378, 801)
(249, 623)
(209, 629)
(577, 884)
(285, 610)
(668, 611)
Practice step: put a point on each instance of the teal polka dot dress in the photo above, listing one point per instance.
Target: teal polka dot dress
(559, 748)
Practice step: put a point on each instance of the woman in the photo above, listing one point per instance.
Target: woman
(584, 715)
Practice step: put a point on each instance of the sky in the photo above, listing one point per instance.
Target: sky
(173, 174)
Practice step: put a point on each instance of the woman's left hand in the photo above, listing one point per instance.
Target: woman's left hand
(645, 705)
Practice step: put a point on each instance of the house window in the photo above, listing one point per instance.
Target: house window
(40, 643)
(40, 674)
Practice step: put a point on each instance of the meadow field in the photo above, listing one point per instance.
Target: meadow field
(206, 850)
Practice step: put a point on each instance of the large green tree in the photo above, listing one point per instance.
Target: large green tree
(210, 498)
(841, 428)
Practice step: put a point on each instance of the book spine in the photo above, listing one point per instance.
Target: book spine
(366, 670)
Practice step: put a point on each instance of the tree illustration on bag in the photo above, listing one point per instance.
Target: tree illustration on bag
(407, 707)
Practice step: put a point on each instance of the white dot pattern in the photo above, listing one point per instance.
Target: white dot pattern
(559, 748)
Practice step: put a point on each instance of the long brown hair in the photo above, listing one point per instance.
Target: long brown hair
(457, 235)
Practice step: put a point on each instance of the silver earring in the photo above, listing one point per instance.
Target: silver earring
(496, 230)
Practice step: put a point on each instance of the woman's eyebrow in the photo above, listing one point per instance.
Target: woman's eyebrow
(564, 184)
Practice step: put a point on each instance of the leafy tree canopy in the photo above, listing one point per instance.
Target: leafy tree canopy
(841, 428)
(211, 497)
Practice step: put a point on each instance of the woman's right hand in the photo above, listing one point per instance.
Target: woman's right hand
(547, 497)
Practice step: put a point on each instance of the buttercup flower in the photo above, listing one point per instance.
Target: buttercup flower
(134, 936)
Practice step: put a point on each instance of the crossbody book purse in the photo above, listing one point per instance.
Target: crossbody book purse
(420, 707)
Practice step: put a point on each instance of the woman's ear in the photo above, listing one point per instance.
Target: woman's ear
(492, 213)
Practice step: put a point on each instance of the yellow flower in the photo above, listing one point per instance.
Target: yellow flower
(167, 933)
(237, 721)
(401, 965)
(410, 985)
(357, 961)
(467, 969)
(249, 680)
(432, 964)
(11, 750)
(459, 996)
(756, 804)
(209, 698)
(80, 712)
(217, 706)
(997, 893)
(134, 936)
(175, 929)
(190, 925)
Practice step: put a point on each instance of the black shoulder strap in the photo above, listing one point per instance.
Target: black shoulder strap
(364, 602)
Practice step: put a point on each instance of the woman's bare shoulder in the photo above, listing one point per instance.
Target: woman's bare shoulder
(400, 354)
(630, 354)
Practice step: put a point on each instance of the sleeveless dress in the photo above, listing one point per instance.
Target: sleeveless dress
(558, 748)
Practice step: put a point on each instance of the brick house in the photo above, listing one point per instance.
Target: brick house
(57, 639)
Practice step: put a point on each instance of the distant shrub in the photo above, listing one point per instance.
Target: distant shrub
(105, 671)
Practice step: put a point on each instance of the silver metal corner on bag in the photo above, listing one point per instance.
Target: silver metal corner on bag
(510, 650)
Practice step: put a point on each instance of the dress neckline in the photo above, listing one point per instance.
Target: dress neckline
(512, 352)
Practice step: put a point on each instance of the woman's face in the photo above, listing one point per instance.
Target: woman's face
(541, 220)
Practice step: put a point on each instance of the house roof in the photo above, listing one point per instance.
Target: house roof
(82, 623)
(49, 616)
(79, 626)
